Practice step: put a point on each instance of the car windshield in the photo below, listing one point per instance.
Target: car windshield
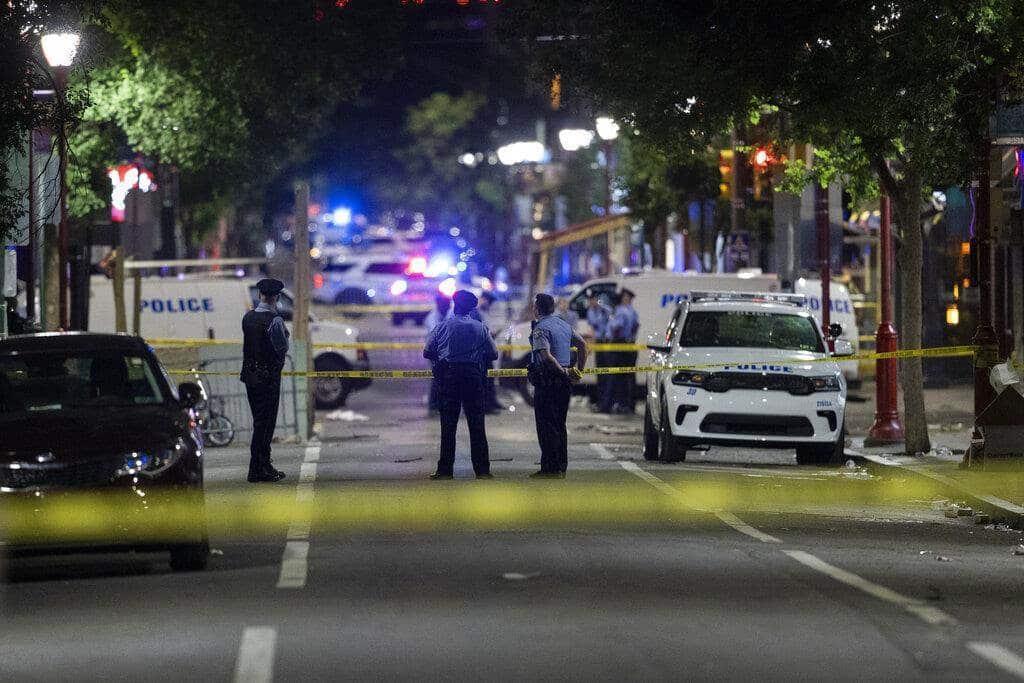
(750, 329)
(43, 382)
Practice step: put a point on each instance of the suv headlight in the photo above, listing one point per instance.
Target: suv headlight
(151, 462)
(825, 383)
(690, 378)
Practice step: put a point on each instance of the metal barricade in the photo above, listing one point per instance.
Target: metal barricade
(227, 360)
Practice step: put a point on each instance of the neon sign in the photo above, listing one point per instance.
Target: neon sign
(124, 179)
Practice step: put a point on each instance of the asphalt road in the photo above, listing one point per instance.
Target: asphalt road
(748, 566)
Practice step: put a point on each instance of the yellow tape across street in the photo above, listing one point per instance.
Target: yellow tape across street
(935, 352)
(165, 343)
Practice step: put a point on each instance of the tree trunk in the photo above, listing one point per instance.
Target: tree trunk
(907, 202)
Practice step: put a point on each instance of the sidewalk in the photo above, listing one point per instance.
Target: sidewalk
(995, 488)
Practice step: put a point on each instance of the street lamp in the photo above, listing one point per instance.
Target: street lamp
(607, 130)
(59, 49)
(575, 139)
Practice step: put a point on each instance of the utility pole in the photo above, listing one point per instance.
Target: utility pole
(51, 278)
(887, 428)
(300, 315)
(30, 266)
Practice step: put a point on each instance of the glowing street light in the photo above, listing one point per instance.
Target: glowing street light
(573, 139)
(607, 129)
(59, 50)
(522, 153)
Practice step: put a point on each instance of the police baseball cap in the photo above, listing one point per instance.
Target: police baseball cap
(464, 300)
(269, 286)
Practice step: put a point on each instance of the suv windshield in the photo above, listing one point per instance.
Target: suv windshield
(751, 329)
(41, 382)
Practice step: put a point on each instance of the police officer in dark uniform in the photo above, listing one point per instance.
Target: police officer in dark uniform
(264, 347)
(461, 349)
(554, 374)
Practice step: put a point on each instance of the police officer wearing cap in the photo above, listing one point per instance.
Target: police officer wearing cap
(553, 376)
(264, 347)
(461, 349)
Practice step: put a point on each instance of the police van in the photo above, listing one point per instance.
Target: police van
(745, 369)
(205, 307)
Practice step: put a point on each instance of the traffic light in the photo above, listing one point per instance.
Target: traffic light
(725, 169)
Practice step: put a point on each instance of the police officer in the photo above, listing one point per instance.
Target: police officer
(598, 316)
(264, 346)
(622, 329)
(551, 364)
(442, 311)
(460, 349)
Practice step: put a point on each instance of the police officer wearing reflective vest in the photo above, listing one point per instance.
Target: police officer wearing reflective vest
(552, 374)
(264, 347)
(461, 349)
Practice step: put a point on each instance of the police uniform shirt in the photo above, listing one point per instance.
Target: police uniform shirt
(555, 335)
(624, 323)
(597, 318)
(461, 339)
(277, 332)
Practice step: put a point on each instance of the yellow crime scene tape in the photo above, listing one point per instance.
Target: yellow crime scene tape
(613, 499)
(934, 352)
(163, 343)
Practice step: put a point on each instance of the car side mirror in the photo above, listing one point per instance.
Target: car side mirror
(842, 348)
(190, 394)
(835, 330)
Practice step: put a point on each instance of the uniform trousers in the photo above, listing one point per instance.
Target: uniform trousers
(263, 403)
(461, 389)
(550, 410)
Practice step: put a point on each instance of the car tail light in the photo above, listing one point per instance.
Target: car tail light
(398, 287)
(417, 266)
(318, 280)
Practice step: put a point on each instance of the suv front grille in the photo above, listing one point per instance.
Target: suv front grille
(757, 425)
(63, 475)
(770, 381)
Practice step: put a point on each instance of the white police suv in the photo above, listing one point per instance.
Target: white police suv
(745, 369)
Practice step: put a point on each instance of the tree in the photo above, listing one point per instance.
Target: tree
(903, 88)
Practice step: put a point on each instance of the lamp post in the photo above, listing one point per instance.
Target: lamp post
(59, 50)
(608, 131)
(887, 428)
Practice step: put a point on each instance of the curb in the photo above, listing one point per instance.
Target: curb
(998, 509)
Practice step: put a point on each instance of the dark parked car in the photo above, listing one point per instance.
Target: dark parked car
(93, 420)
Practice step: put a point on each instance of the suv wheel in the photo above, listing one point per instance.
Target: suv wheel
(673, 449)
(651, 437)
(823, 454)
(330, 392)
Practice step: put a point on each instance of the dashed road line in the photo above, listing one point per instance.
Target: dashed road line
(295, 559)
(725, 517)
(918, 608)
(998, 655)
(255, 662)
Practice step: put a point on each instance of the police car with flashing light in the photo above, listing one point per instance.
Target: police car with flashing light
(745, 369)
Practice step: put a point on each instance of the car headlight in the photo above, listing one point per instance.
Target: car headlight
(825, 383)
(151, 462)
(690, 378)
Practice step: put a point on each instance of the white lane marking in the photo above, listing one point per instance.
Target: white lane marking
(744, 528)
(256, 655)
(295, 559)
(294, 565)
(602, 451)
(726, 517)
(918, 608)
(999, 656)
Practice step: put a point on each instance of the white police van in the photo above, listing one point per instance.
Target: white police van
(205, 307)
(745, 369)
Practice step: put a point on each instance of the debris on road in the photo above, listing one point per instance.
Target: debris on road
(1019, 550)
(216, 551)
(942, 558)
(409, 459)
(516, 576)
(618, 429)
(346, 416)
